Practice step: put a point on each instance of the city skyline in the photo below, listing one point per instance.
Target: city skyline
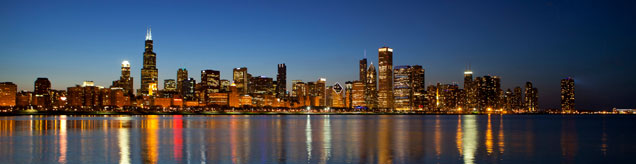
(310, 68)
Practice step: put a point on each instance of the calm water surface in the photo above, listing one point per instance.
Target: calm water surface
(318, 138)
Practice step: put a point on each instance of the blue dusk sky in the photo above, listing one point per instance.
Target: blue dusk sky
(520, 40)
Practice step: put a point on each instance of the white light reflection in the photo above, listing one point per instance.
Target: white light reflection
(63, 147)
(308, 135)
(470, 138)
(124, 145)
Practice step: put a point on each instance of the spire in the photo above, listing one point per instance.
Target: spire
(365, 53)
(148, 33)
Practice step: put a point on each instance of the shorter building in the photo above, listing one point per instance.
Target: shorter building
(8, 92)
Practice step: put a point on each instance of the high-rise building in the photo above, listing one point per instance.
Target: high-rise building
(321, 91)
(188, 91)
(42, 92)
(8, 92)
(531, 98)
(348, 94)
(567, 95)
(210, 83)
(358, 94)
(517, 99)
(371, 89)
(170, 85)
(470, 88)
(281, 82)
(385, 78)
(335, 96)
(488, 89)
(363, 69)
(418, 86)
(182, 75)
(125, 80)
(408, 87)
(241, 79)
(149, 72)
(403, 94)
(225, 86)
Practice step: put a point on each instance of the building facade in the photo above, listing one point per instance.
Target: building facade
(149, 72)
(385, 78)
(567, 95)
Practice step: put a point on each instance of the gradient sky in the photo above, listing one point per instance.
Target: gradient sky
(532, 40)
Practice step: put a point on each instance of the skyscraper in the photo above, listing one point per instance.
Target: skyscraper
(385, 78)
(125, 81)
(408, 87)
(321, 90)
(470, 89)
(488, 89)
(567, 95)
(188, 90)
(42, 92)
(402, 88)
(8, 92)
(281, 81)
(182, 75)
(371, 88)
(358, 94)
(149, 72)
(363, 70)
(210, 83)
(348, 94)
(531, 98)
(241, 79)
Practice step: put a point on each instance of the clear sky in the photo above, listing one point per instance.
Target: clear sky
(522, 40)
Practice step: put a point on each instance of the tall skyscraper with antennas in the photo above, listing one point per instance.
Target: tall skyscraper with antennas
(149, 72)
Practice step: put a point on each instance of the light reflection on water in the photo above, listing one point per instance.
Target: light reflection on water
(316, 139)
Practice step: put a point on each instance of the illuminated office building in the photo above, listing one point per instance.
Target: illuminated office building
(225, 86)
(488, 89)
(125, 80)
(517, 99)
(348, 94)
(321, 91)
(149, 72)
(531, 98)
(241, 79)
(358, 94)
(567, 95)
(170, 85)
(371, 89)
(182, 75)
(188, 91)
(8, 92)
(210, 83)
(385, 78)
(470, 89)
(408, 87)
(363, 70)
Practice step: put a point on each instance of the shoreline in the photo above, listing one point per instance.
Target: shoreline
(23, 113)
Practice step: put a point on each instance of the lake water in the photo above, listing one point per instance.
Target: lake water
(318, 139)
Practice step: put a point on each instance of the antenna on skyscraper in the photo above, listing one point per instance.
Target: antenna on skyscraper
(365, 53)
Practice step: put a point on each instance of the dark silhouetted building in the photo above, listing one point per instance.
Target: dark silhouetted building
(42, 92)
(210, 83)
(281, 82)
(125, 80)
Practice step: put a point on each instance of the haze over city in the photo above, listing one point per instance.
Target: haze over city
(538, 41)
